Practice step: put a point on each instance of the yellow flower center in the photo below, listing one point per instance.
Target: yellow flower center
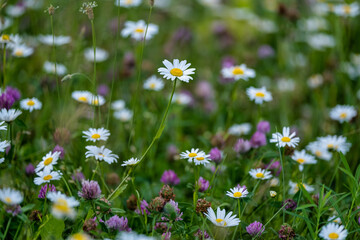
(318, 153)
(100, 154)
(47, 177)
(330, 145)
(139, 30)
(343, 115)
(200, 158)
(78, 236)
(152, 85)
(61, 205)
(82, 99)
(95, 102)
(333, 235)
(237, 194)
(129, 1)
(347, 9)
(237, 71)
(30, 103)
(300, 160)
(48, 161)
(219, 220)
(8, 200)
(285, 139)
(95, 136)
(5, 37)
(192, 155)
(259, 175)
(260, 94)
(19, 53)
(177, 72)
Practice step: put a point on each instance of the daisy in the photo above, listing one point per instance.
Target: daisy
(238, 72)
(177, 69)
(98, 134)
(333, 231)
(315, 81)
(47, 176)
(22, 51)
(118, 105)
(4, 145)
(237, 192)
(259, 173)
(79, 236)
(3, 126)
(49, 67)
(201, 159)
(101, 153)
(182, 99)
(10, 196)
(124, 115)
(343, 113)
(5, 23)
(5, 38)
(154, 83)
(240, 129)
(15, 10)
(137, 30)
(48, 161)
(101, 55)
(57, 40)
(334, 219)
(347, 10)
(259, 95)
(127, 3)
(81, 96)
(190, 155)
(273, 194)
(303, 158)
(97, 100)
(30, 104)
(9, 115)
(63, 206)
(319, 151)
(285, 139)
(130, 162)
(222, 219)
(336, 143)
(320, 41)
(294, 187)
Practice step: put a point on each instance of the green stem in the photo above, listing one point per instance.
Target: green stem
(94, 75)
(283, 179)
(4, 67)
(230, 107)
(54, 56)
(119, 186)
(67, 186)
(7, 228)
(94, 172)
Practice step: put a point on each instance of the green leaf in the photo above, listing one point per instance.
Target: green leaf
(118, 210)
(27, 207)
(53, 229)
(118, 192)
(20, 123)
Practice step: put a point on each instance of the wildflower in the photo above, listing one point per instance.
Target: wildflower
(238, 72)
(35, 216)
(4, 145)
(274, 167)
(101, 55)
(319, 150)
(333, 231)
(130, 162)
(30, 169)
(167, 193)
(118, 105)
(14, 210)
(90, 190)
(90, 224)
(255, 229)
(219, 219)
(334, 219)
(286, 232)
(48, 161)
(103, 90)
(81, 96)
(47, 176)
(343, 113)
(87, 8)
(137, 30)
(239, 129)
(10, 196)
(273, 194)
(263, 126)
(153, 83)
(294, 187)
(45, 189)
(170, 177)
(22, 51)
(157, 204)
(303, 158)
(182, 98)
(143, 208)
(215, 155)
(96, 100)
(315, 81)
(265, 51)
(203, 184)
(30, 104)
(237, 192)
(101, 153)
(94, 134)
(63, 206)
(347, 10)
(320, 41)
(192, 154)
(202, 235)
(54, 40)
(9, 97)
(173, 210)
(285, 139)
(202, 205)
(49, 67)
(124, 115)
(258, 139)
(59, 149)
(242, 146)
(260, 174)
(336, 143)
(259, 95)
(127, 3)
(289, 204)
(177, 69)
(78, 176)
(79, 236)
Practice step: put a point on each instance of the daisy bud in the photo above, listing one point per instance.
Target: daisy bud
(273, 194)
(167, 193)
(286, 232)
(202, 205)
(157, 204)
(131, 203)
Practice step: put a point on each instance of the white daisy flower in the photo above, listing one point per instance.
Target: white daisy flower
(259, 173)
(30, 104)
(319, 151)
(190, 155)
(10, 196)
(303, 158)
(58, 40)
(5, 38)
(237, 192)
(96, 100)
(343, 113)
(48, 161)
(333, 231)
(259, 95)
(98, 134)
(315, 81)
(182, 98)
(240, 129)
(80, 236)
(22, 51)
(63, 206)
(118, 105)
(286, 85)
(201, 159)
(294, 187)
(4, 145)
(334, 219)
(101, 153)
(320, 41)
(177, 69)
(49, 67)
(2, 160)
(221, 219)
(5, 23)
(15, 10)
(127, 3)
(273, 194)
(124, 115)
(101, 54)
(9, 115)
(82, 96)
(130, 162)
(347, 10)
(137, 30)
(47, 176)
(3, 126)
(337, 143)
(285, 139)
(238, 72)
(153, 83)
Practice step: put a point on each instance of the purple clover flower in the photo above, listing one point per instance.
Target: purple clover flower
(170, 177)
(203, 184)
(255, 228)
(45, 189)
(90, 190)
(119, 224)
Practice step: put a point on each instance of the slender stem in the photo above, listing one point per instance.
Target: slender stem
(67, 186)
(94, 172)
(54, 56)
(4, 66)
(119, 186)
(230, 107)
(94, 75)
(7, 228)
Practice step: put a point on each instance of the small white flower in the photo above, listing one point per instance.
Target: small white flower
(260, 174)
(259, 95)
(4, 145)
(333, 231)
(337, 143)
(101, 54)
(321, 41)
(118, 105)
(130, 162)
(334, 219)
(47, 176)
(48, 161)
(273, 194)
(153, 83)
(177, 69)
(127, 3)
(22, 51)
(10, 196)
(221, 219)
(274, 182)
(101, 153)
(30, 104)
(343, 113)
(240, 129)
(302, 158)
(124, 115)
(238, 72)
(315, 81)
(182, 98)
(347, 10)
(237, 192)
(82, 96)
(63, 206)
(137, 30)
(96, 100)
(15, 10)
(94, 134)
(294, 187)
(285, 139)
(196, 156)
(3, 126)
(320, 151)
(286, 85)
(49, 67)
(57, 40)
(9, 115)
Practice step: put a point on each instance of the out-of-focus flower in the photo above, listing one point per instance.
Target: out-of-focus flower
(343, 113)
(119, 224)
(10, 196)
(143, 207)
(258, 139)
(30, 104)
(260, 174)
(137, 30)
(255, 229)
(59, 149)
(30, 169)
(90, 190)
(242, 146)
(290, 204)
(63, 206)
(203, 184)
(45, 189)
(238, 72)
(263, 126)
(265, 51)
(239, 129)
(215, 155)
(101, 55)
(170, 177)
